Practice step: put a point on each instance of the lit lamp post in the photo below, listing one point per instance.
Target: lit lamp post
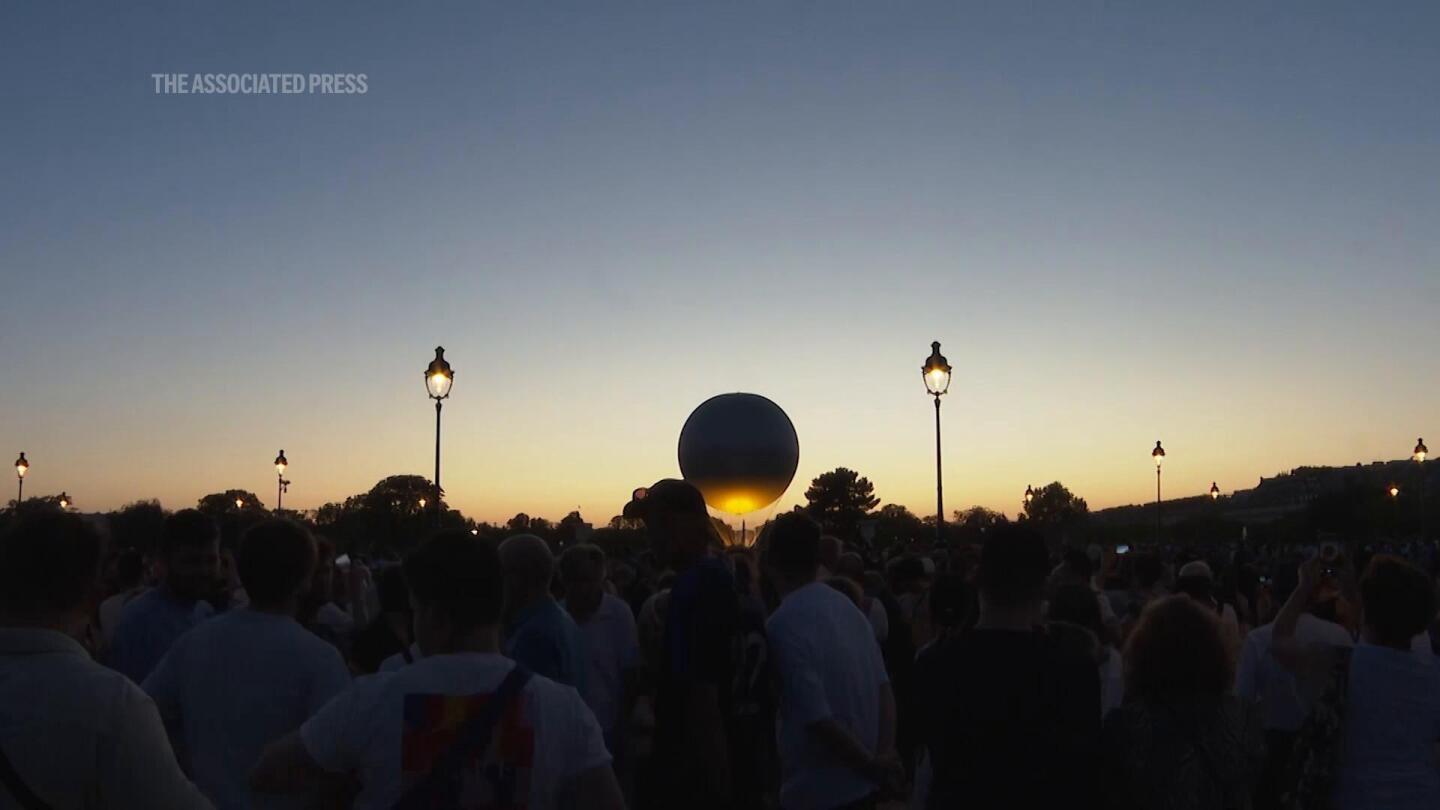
(438, 379)
(1420, 452)
(937, 382)
(21, 467)
(64, 501)
(280, 488)
(1214, 491)
(1029, 496)
(1158, 454)
(239, 503)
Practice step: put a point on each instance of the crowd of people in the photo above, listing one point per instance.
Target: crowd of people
(797, 674)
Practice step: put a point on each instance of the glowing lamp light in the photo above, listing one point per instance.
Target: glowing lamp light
(422, 503)
(239, 503)
(21, 466)
(281, 463)
(936, 371)
(1158, 454)
(1394, 491)
(64, 501)
(1029, 493)
(1421, 451)
(439, 377)
(1214, 491)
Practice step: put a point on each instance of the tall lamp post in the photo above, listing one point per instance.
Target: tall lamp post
(937, 381)
(1420, 452)
(1158, 455)
(282, 485)
(21, 467)
(1029, 496)
(64, 501)
(1214, 491)
(439, 377)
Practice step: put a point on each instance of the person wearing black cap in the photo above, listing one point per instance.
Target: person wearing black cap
(692, 762)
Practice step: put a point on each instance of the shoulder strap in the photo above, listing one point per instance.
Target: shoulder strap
(474, 737)
(17, 787)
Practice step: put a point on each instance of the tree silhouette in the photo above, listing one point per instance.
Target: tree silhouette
(138, 525)
(840, 499)
(1055, 509)
(388, 519)
(222, 503)
(896, 525)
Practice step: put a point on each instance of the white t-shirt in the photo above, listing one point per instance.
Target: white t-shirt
(1392, 721)
(398, 660)
(390, 728)
(611, 648)
(111, 609)
(879, 622)
(830, 668)
(235, 684)
(1112, 681)
(81, 735)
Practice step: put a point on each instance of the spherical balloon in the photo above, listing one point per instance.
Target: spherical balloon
(740, 451)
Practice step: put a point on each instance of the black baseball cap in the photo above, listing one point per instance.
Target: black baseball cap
(666, 495)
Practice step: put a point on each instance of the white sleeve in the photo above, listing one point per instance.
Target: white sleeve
(1247, 675)
(136, 767)
(585, 742)
(879, 621)
(329, 678)
(329, 736)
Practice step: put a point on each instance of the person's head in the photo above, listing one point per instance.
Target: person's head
(849, 565)
(1013, 568)
(792, 552)
(190, 554)
(831, 547)
(848, 588)
(529, 568)
(129, 569)
(1149, 571)
(582, 572)
(456, 590)
(907, 575)
(1177, 649)
(1399, 601)
(276, 560)
(1076, 604)
(50, 571)
(676, 520)
(1075, 568)
(1196, 581)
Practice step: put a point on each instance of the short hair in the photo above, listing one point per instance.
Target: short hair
(794, 545)
(1013, 565)
(188, 528)
(1078, 563)
(526, 558)
(1398, 599)
(460, 574)
(277, 557)
(831, 547)
(581, 561)
(49, 562)
(1177, 649)
(852, 566)
(848, 587)
(1076, 604)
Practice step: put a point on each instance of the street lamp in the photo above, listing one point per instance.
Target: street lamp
(1158, 454)
(439, 377)
(1394, 491)
(21, 467)
(1214, 491)
(937, 381)
(1419, 455)
(64, 501)
(283, 486)
(1029, 495)
(239, 503)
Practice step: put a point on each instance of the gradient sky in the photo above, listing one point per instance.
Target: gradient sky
(1218, 226)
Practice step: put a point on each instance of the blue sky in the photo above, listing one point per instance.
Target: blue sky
(1213, 225)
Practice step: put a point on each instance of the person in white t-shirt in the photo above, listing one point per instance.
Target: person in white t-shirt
(462, 727)
(837, 712)
(238, 682)
(612, 647)
(852, 567)
(75, 734)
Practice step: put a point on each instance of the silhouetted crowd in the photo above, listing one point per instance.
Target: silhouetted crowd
(796, 674)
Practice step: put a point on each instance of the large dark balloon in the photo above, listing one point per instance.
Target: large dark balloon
(740, 451)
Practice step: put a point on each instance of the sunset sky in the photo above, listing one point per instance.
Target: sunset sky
(1216, 226)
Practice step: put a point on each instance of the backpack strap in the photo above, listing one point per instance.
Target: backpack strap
(17, 787)
(474, 738)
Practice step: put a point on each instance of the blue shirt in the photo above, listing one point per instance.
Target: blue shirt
(1392, 720)
(150, 624)
(545, 639)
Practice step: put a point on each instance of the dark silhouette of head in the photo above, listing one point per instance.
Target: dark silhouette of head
(456, 588)
(792, 551)
(277, 558)
(676, 520)
(50, 571)
(1014, 565)
(1398, 599)
(1076, 604)
(582, 572)
(1177, 650)
(190, 554)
